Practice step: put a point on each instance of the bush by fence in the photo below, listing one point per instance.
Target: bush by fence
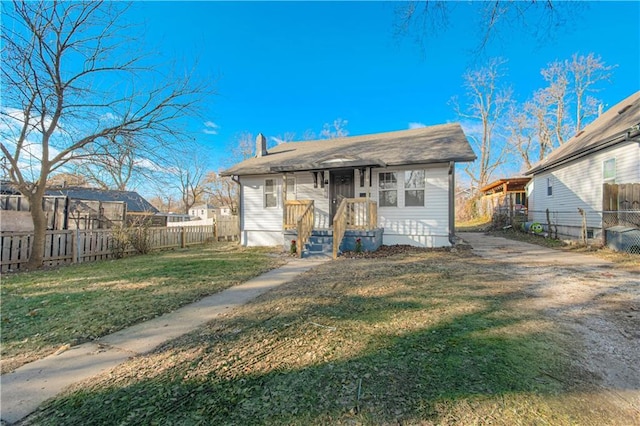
(76, 246)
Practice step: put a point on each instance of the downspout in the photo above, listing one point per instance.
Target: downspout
(452, 203)
(236, 179)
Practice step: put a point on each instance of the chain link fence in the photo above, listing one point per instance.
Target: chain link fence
(619, 230)
(622, 230)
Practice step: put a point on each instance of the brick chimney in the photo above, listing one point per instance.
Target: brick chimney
(261, 145)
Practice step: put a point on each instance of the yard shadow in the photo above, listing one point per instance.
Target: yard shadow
(388, 344)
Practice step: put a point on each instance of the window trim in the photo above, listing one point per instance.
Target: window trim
(294, 193)
(381, 190)
(611, 179)
(274, 192)
(549, 186)
(422, 188)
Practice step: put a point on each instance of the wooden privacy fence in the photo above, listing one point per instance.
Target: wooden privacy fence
(621, 197)
(80, 245)
(227, 228)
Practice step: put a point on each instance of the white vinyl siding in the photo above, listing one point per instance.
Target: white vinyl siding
(306, 191)
(260, 226)
(291, 188)
(578, 184)
(426, 226)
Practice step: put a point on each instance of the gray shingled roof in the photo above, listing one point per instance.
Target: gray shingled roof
(135, 202)
(609, 129)
(434, 144)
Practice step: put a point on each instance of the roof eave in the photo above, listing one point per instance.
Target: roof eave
(620, 138)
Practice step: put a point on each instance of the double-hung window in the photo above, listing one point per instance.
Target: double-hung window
(609, 170)
(291, 188)
(414, 182)
(388, 189)
(270, 197)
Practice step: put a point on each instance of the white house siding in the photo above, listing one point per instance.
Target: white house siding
(306, 191)
(579, 185)
(260, 226)
(263, 226)
(418, 226)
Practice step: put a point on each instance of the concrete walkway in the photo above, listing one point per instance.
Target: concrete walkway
(24, 389)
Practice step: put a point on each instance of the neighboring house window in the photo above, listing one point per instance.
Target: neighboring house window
(414, 188)
(388, 189)
(270, 199)
(549, 186)
(609, 170)
(291, 188)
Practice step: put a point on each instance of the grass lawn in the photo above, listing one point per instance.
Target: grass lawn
(44, 310)
(421, 337)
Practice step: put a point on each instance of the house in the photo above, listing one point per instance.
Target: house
(70, 207)
(398, 185)
(207, 211)
(92, 208)
(577, 177)
(504, 196)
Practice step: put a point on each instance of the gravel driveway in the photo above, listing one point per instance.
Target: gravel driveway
(598, 302)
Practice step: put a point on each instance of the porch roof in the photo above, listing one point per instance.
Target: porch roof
(433, 144)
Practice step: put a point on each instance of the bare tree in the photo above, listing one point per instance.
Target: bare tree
(567, 93)
(425, 19)
(520, 133)
(286, 137)
(187, 176)
(337, 129)
(553, 98)
(587, 71)
(66, 86)
(117, 162)
(67, 179)
(222, 191)
(163, 201)
(487, 103)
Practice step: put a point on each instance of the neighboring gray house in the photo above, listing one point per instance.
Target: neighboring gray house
(72, 207)
(399, 182)
(91, 208)
(573, 176)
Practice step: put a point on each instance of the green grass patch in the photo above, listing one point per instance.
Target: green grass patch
(429, 337)
(44, 310)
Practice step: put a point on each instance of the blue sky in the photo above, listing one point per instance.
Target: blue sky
(293, 66)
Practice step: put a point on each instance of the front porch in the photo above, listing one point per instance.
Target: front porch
(355, 218)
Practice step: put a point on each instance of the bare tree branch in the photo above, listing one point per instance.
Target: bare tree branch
(60, 57)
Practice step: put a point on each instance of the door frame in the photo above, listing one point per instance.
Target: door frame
(333, 202)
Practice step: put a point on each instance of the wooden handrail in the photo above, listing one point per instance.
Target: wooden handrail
(293, 209)
(304, 225)
(339, 226)
(353, 213)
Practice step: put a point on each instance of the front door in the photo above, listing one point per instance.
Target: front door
(341, 187)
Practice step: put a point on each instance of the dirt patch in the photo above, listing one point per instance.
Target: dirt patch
(599, 304)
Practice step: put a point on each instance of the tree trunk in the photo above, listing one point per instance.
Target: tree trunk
(39, 231)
